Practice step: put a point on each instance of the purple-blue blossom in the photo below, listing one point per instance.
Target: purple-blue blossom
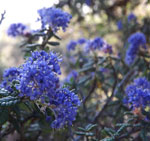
(107, 49)
(98, 44)
(138, 93)
(54, 18)
(37, 79)
(66, 107)
(81, 41)
(73, 74)
(88, 2)
(39, 75)
(131, 17)
(71, 45)
(119, 25)
(17, 29)
(10, 75)
(94, 44)
(136, 41)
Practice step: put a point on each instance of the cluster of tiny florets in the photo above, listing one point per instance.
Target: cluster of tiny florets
(72, 45)
(38, 80)
(66, 107)
(91, 45)
(72, 75)
(136, 41)
(9, 76)
(119, 25)
(17, 29)
(88, 2)
(54, 18)
(81, 41)
(138, 93)
(131, 17)
(39, 75)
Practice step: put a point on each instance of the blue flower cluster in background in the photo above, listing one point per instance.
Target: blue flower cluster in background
(72, 75)
(54, 18)
(131, 17)
(17, 29)
(136, 41)
(9, 76)
(72, 45)
(138, 93)
(38, 79)
(91, 45)
(82, 41)
(88, 2)
(119, 25)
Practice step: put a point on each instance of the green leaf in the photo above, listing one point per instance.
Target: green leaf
(85, 133)
(90, 63)
(54, 43)
(8, 101)
(3, 92)
(57, 37)
(109, 131)
(86, 68)
(90, 127)
(108, 139)
(82, 129)
(32, 45)
(84, 79)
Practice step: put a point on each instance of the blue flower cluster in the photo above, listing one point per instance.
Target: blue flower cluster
(88, 2)
(131, 17)
(73, 74)
(17, 29)
(72, 45)
(91, 45)
(136, 41)
(39, 75)
(54, 18)
(98, 44)
(10, 75)
(66, 103)
(82, 41)
(119, 25)
(138, 93)
(38, 79)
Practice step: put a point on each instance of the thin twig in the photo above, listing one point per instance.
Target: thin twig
(2, 17)
(110, 98)
(90, 91)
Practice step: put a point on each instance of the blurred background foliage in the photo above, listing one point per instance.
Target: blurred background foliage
(92, 18)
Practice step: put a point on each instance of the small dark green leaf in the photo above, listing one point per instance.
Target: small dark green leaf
(86, 68)
(54, 43)
(8, 101)
(84, 79)
(32, 45)
(57, 37)
(3, 92)
(90, 127)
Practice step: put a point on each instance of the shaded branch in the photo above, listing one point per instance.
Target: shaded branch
(110, 98)
(91, 90)
(2, 17)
